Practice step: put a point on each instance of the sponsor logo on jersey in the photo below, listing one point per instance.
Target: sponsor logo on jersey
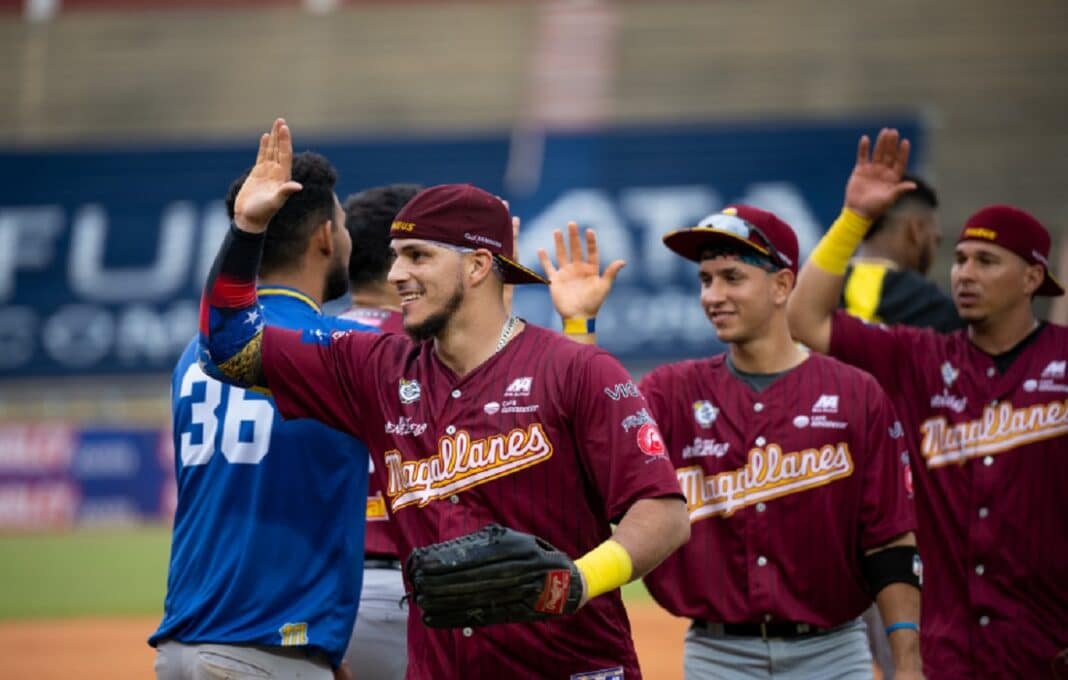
(705, 448)
(625, 390)
(949, 374)
(1055, 369)
(704, 413)
(909, 488)
(636, 420)
(462, 463)
(520, 387)
(604, 674)
(409, 391)
(1001, 428)
(405, 427)
(650, 441)
(896, 430)
(768, 473)
(820, 422)
(509, 406)
(950, 401)
(827, 403)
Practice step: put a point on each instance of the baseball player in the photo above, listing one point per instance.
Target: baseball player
(269, 520)
(482, 419)
(379, 644)
(886, 279)
(986, 413)
(794, 470)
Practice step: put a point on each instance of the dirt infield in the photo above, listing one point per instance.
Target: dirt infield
(115, 649)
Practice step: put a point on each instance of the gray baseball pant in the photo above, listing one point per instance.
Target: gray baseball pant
(178, 661)
(841, 654)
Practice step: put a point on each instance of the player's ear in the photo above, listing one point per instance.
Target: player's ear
(479, 265)
(322, 238)
(782, 282)
(1034, 274)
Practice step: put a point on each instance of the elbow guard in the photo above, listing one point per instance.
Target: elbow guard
(898, 564)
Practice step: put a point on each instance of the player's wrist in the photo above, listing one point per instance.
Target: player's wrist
(580, 325)
(605, 568)
(837, 246)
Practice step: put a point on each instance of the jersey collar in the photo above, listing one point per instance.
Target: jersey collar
(289, 292)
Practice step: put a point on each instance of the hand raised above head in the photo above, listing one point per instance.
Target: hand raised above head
(577, 286)
(876, 179)
(269, 183)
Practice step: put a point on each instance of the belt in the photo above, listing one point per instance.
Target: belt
(381, 563)
(764, 631)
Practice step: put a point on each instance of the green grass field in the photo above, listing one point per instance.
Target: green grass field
(86, 572)
(96, 572)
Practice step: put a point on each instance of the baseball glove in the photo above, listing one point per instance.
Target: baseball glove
(495, 575)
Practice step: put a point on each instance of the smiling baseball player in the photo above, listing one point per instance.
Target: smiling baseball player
(480, 419)
(986, 410)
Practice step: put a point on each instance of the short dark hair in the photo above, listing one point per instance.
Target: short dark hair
(368, 216)
(292, 226)
(923, 194)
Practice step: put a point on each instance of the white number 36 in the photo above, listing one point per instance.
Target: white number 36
(244, 414)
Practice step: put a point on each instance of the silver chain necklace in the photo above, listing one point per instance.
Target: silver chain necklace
(506, 332)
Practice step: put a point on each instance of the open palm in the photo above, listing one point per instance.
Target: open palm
(577, 286)
(876, 180)
(268, 184)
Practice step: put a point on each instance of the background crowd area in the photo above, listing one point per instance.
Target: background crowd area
(124, 122)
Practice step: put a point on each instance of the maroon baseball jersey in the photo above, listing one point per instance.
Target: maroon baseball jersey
(379, 540)
(547, 436)
(992, 491)
(786, 489)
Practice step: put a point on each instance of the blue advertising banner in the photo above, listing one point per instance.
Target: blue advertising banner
(103, 251)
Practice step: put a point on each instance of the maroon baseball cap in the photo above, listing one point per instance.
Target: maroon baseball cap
(1017, 231)
(466, 216)
(752, 227)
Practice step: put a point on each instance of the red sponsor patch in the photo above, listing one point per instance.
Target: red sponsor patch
(650, 441)
(553, 597)
(908, 479)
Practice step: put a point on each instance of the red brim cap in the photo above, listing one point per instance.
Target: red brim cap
(692, 242)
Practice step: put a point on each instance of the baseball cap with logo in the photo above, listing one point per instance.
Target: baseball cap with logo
(1016, 231)
(466, 216)
(753, 228)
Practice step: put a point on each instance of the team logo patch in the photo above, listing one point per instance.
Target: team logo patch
(638, 419)
(650, 441)
(603, 674)
(410, 391)
(704, 413)
(909, 489)
(492, 408)
(520, 387)
(554, 595)
(622, 391)
(949, 374)
(294, 634)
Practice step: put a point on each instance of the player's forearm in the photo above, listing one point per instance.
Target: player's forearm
(820, 281)
(651, 530)
(900, 603)
(231, 320)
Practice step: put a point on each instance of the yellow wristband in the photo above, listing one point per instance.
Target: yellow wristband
(579, 326)
(605, 568)
(840, 242)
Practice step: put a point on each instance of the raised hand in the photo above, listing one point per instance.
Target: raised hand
(876, 180)
(577, 287)
(268, 184)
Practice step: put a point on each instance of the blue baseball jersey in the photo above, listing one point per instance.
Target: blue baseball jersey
(269, 529)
